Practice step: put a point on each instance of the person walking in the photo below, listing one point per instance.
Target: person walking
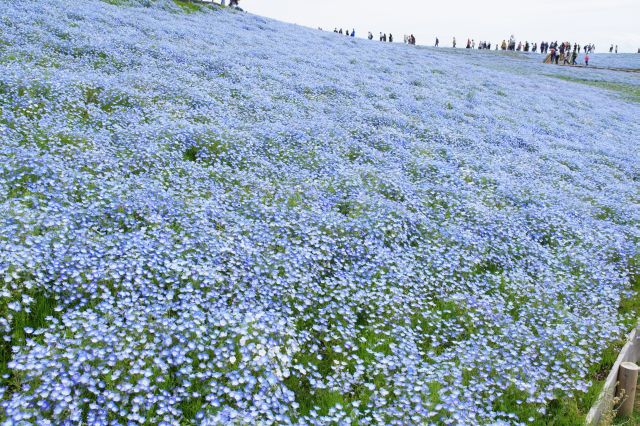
(353, 32)
(586, 60)
(616, 49)
(390, 38)
(454, 42)
(437, 42)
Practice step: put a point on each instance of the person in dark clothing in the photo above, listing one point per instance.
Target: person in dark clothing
(340, 32)
(353, 33)
(437, 42)
(574, 56)
(390, 38)
(468, 44)
(384, 37)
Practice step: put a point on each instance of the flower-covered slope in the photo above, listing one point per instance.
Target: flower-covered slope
(214, 218)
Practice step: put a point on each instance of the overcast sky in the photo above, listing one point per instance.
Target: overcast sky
(601, 22)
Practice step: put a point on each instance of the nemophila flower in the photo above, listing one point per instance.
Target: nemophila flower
(198, 227)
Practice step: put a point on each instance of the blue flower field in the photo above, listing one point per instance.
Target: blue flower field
(209, 217)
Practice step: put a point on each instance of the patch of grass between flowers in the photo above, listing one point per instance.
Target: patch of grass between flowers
(629, 91)
(24, 323)
(187, 6)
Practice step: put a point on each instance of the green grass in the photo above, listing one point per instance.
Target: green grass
(187, 6)
(116, 2)
(42, 307)
(628, 91)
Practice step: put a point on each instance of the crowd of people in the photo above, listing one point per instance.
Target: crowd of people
(559, 52)
(564, 53)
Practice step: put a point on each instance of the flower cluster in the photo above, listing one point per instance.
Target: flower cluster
(216, 218)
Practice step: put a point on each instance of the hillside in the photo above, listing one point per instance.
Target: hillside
(212, 217)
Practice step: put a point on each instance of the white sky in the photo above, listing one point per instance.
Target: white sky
(601, 22)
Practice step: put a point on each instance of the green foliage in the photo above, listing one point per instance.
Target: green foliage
(191, 153)
(187, 6)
